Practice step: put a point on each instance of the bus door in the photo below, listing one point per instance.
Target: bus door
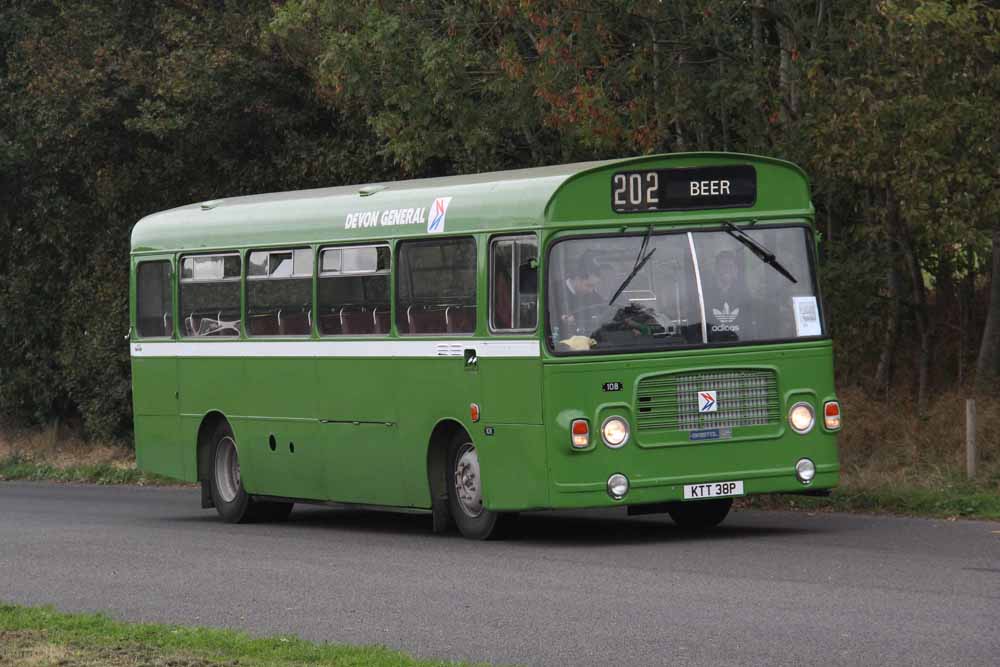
(510, 437)
(510, 363)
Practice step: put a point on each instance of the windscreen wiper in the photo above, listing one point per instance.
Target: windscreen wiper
(762, 253)
(640, 261)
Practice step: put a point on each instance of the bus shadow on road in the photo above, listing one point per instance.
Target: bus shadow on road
(556, 529)
(552, 528)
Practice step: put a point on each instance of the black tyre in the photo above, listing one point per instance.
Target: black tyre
(701, 514)
(465, 493)
(231, 500)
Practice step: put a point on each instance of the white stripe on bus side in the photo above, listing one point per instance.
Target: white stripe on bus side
(330, 348)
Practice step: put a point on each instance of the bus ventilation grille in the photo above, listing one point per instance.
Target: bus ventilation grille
(745, 397)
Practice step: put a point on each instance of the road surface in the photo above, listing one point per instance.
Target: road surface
(570, 589)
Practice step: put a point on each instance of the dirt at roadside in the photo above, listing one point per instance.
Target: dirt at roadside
(53, 447)
(34, 649)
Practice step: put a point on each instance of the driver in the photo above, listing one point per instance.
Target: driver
(583, 301)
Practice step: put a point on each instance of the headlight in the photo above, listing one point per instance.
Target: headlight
(614, 430)
(617, 486)
(805, 470)
(801, 417)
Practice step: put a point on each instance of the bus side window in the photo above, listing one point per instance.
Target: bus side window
(279, 292)
(436, 286)
(210, 295)
(154, 304)
(514, 283)
(354, 290)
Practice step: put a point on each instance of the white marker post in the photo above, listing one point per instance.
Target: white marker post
(970, 438)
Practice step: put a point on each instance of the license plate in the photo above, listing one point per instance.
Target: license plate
(713, 490)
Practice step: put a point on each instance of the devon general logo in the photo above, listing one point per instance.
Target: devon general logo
(708, 401)
(438, 212)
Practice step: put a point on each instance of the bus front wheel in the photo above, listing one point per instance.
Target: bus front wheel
(701, 514)
(465, 493)
(231, 500)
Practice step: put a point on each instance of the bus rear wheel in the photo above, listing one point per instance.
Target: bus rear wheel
(465, 493)
(700, 515)
(231, 500)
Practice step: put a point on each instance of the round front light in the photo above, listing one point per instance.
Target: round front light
(801, 417)
(617, 486)
(614, 430)
(805, 470)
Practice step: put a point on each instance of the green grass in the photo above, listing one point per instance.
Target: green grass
(960, 499)
(42, 636)
(15, 467)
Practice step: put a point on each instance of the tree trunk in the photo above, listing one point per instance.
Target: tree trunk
(943, 314)
(787, 70)
(661, 124)
(967, 304)
(887, 359)
(988, 363)
(920, 317)
(723, 114)
(757, 34)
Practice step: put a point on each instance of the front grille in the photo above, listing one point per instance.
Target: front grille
(746, 397)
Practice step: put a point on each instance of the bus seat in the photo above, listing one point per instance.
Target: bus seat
(263, 324)
(381, 318)
(356, 321)
(329, 323)
(427, 319)
(460, 319)
(294, 324)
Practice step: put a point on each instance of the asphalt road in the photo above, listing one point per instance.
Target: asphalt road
(569, 589)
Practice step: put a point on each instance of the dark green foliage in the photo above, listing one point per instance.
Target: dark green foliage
(111, 110)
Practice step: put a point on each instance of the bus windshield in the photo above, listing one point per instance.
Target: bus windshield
(681, 289)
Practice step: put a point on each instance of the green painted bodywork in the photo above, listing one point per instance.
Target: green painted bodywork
(361, 428)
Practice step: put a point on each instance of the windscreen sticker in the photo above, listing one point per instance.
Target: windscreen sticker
(806, 316)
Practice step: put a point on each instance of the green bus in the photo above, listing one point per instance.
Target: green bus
(641, 332)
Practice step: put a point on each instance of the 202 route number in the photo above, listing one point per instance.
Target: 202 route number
(713, 490)
(636, 191)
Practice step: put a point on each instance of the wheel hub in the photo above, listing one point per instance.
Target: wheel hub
(468, 486)
(227, 469)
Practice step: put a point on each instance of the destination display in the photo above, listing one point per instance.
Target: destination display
(684, 189)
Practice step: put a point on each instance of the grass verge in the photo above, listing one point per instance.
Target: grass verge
(37, 637)
(960, 500)
(14, 467)
(52, 455)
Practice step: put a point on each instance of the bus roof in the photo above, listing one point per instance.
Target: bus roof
(494, 201)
